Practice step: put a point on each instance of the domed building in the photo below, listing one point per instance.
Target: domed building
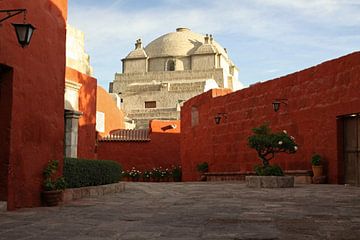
(177, 66)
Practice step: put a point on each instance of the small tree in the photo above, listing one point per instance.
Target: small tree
(267, 144)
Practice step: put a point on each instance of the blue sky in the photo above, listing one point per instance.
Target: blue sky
(264, 38)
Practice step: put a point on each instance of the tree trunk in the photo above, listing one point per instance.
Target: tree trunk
(264, 160)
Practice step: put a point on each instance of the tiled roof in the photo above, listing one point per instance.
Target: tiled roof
(127, 135)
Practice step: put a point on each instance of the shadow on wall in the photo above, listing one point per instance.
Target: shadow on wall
(87, 106)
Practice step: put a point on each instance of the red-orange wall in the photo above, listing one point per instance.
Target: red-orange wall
(87, 105)
(316, 97)
(37, 106)
(163, 149)
(114, 117)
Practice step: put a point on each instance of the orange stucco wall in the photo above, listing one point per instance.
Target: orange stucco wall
(35, 114)
(87, 105)
(163, 149)
(316, 98)
(114, 117)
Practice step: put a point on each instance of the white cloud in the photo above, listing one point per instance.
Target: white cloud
(110, 31)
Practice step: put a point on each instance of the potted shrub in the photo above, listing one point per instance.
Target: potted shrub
(202, 168)
(53, 185)
(267, 144)
(317, 167)
(176, 173)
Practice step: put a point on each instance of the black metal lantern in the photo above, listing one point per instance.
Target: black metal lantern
(218, 117)
(277, 102)
(24, 33)
(276, 105)
(23, 30)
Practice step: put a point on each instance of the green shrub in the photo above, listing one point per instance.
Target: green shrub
(202, 167)
(51, 182)
(269, 170)
(316, 160)
(176, 173)
(267, 144)
(83, 172)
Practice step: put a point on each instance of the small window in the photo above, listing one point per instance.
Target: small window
(150, 104)
(194, 116)
(170, 65)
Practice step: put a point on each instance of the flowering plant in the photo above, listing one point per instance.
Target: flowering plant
(147, 175)
(267, 144)
(134, 174)
(160, 173)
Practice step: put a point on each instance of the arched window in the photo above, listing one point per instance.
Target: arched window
(170, 65)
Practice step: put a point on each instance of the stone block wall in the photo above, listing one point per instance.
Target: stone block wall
(316, 97)
(135, 66)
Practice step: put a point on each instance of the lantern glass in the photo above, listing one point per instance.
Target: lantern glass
(276, 106)
(24, 33)
(217, 119)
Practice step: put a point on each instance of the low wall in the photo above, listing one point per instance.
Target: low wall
(163, 148)
(300, 176)
(71, 194)
(317, 98)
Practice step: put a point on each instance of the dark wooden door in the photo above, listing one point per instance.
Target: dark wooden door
(352, 150)
(5, 124)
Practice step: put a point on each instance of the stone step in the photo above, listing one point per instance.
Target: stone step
(3, 206)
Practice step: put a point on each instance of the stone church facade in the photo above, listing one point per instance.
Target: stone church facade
(173, 68)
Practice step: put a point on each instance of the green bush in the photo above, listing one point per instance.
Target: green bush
(269, 170)
(267, 144)
(51, 182)
(202, 167)
(83, 172)
(176, 173)
(316, 160)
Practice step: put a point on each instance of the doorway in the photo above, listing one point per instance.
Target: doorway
(351, 128)
(6, 75)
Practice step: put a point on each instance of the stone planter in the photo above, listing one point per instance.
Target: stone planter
(318, 170)
(269, 181)
(52, 198)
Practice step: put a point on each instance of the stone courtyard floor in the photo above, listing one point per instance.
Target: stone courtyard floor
(204, 210)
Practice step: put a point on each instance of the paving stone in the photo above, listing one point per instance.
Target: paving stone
(200, 210)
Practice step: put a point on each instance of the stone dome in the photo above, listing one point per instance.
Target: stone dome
(183, 42)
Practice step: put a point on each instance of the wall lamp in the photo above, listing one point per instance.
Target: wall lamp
(277, 102)
(218, 117)
(168, 127)
(23, 31)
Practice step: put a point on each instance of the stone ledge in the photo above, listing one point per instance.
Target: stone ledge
(300, 176)
(226, 176)
(71, 194)
(269, 181)
(3, 206)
